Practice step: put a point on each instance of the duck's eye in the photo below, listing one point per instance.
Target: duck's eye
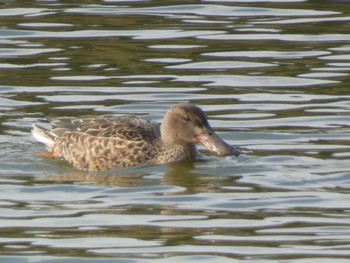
(186, 118)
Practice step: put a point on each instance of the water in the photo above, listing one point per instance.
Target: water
(273, 77)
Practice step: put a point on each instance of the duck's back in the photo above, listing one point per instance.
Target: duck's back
(122, 127)
(106, 142)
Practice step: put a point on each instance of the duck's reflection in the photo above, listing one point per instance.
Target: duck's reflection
(188, 175)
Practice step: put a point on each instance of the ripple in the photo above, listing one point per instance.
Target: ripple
(135, 34)
(180, 47)
(325, 121)
(331, 69)
(221, 65)
(162, 96)
(239, 80)
(44, 25)
(12, 66)
(255, 1)
(95, 89)
(203, 10)
(254, 29)
(230, 250)
(15, 52)
(291, 97)
(269, 54)
(21, 11)
(281, 37)
(166, 259)
(252, 81)
(95, 242)
(16, 66)
(11, 104)
(303, 20)
(336, 57)
(323, 75)
(80, 78)
(345, 48)
(168, 60)
(95, 220)
(272, 238)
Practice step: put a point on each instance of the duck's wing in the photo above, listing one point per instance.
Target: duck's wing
(131, 128)
(100, 143)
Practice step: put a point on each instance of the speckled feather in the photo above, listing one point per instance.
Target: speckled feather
(104, 143)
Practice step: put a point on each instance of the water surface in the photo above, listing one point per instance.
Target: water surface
(273, 77)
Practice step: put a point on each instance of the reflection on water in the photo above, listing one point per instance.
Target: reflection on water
(273, 79)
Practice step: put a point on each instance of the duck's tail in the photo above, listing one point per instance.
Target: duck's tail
(44, 136)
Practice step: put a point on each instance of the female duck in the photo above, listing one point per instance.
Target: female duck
(103, 143)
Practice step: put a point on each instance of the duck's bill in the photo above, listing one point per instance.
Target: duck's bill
(215, 144)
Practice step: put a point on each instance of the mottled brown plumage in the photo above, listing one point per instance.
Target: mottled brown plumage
(103, 143)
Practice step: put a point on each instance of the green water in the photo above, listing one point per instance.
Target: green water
(273, 78)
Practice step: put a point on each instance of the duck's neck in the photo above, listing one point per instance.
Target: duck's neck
(170, 152)
(173, 147)
(168, 133)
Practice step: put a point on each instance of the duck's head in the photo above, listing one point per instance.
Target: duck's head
(187, 124)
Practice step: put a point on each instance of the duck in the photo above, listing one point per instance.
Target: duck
(112, 142)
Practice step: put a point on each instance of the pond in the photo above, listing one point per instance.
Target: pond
(273, 79)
